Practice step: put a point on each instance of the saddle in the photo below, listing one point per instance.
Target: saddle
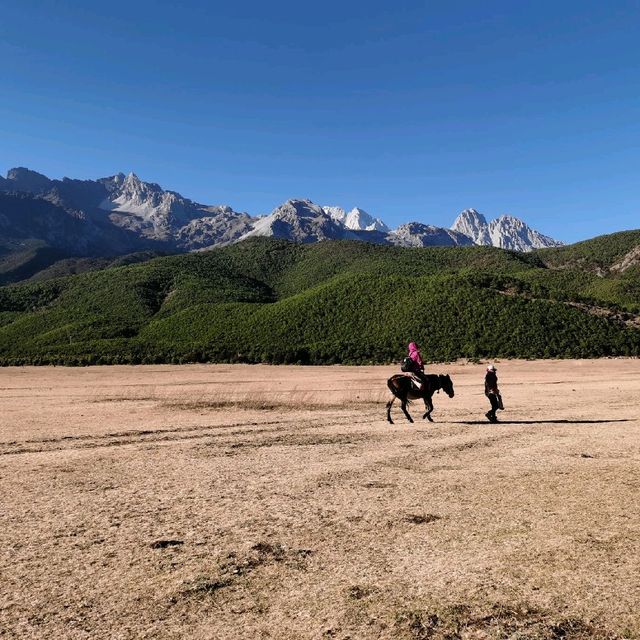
(415, 382)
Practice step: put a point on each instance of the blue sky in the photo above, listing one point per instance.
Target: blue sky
(412, 112)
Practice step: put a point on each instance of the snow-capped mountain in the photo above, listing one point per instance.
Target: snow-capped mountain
(304, 221)
(144, 210)
(336, 213)
(357, 219)
(300, 221)
(122, 213)
(506, 232)
(148, 201)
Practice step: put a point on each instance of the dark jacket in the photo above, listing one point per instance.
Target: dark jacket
(490, 383)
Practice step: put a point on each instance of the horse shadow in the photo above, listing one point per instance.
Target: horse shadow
(557, 421)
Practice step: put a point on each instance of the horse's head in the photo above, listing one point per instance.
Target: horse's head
(447, 385)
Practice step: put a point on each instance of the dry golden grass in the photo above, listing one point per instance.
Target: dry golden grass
(152, 502)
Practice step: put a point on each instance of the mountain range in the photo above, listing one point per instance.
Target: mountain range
(44, 220)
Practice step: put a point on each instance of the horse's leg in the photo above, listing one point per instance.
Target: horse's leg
(430, 410)
(428, 405)
(404, 409)
(389, 404)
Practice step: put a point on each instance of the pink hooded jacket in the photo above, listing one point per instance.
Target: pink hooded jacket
(414, 354)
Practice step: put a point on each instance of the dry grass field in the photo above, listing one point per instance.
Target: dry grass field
(277, 502)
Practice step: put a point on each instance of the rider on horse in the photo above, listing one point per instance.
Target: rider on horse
(418, 364)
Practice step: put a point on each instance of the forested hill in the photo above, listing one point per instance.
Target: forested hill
(267, 300)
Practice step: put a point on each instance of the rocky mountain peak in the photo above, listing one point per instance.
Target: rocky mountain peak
(302, 206)
(299, 220)
(509, 232)
(472, 224)
(149, 202)
(145, 212)
(416, 234)
(506, 232)
(131, 181)
(114, 181)
(23, 179)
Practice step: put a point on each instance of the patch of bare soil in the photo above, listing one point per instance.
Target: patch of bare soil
(630, 259)
(621, 317)
(276, 502)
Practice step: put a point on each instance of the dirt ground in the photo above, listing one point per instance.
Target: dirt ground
(277, 502)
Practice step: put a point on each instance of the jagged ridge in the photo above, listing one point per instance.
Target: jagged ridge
(506, 232)
(150, 217)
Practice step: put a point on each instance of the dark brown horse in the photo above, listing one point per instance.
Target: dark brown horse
(405, 389)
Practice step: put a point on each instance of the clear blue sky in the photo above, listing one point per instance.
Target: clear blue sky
(412, 112)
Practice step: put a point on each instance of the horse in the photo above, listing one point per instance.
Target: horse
(403, 388)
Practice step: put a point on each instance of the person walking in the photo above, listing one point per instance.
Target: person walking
(493, 393)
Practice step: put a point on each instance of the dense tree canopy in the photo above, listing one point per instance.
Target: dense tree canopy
(266, 300)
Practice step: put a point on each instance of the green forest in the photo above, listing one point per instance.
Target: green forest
(272, 301)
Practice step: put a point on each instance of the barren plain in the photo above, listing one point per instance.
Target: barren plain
(277, 502)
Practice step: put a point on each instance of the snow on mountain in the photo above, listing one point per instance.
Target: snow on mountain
(145, 213)
(299, 221)
(304, 221)
(25, 219)
(148, 201)
(336, 213)
(139, 209)
(506, 232)
(359, 220)
(153, 212)
(416, 234)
